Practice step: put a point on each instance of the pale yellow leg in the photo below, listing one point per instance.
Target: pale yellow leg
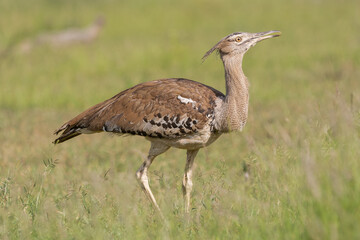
(141, 174)
(187, 180)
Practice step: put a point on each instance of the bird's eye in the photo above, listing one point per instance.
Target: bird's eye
(238, 39)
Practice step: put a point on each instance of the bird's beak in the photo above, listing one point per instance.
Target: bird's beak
(266, 35)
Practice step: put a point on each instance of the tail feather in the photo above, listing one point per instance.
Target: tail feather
(62, 128)
(66, 136)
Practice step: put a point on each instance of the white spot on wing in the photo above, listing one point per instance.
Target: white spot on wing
(186, 100)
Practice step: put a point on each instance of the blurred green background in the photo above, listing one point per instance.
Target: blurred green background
(291, 174)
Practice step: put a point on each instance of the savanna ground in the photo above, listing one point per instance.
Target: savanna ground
(293, 173)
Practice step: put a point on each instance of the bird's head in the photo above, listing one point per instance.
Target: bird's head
(240, 42)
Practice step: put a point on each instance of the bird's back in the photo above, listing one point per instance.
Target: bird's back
(164, 109)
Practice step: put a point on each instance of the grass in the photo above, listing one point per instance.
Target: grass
(292, 174)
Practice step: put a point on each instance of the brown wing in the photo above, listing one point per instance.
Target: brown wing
(167, 108)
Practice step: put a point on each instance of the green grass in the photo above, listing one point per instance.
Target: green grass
(301, 145)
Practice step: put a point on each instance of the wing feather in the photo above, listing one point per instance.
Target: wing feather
(151, 109)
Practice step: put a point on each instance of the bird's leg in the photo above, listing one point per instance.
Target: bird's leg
(141, 174)
(142, 177)
(187, 182)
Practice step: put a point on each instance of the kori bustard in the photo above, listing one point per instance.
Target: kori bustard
(176, 112)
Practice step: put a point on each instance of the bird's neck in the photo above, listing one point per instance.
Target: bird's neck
(237, 94)
(93, 30)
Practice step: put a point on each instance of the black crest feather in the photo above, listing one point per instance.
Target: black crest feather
(216, 46)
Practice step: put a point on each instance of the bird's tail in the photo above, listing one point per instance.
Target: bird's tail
(66, 136)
